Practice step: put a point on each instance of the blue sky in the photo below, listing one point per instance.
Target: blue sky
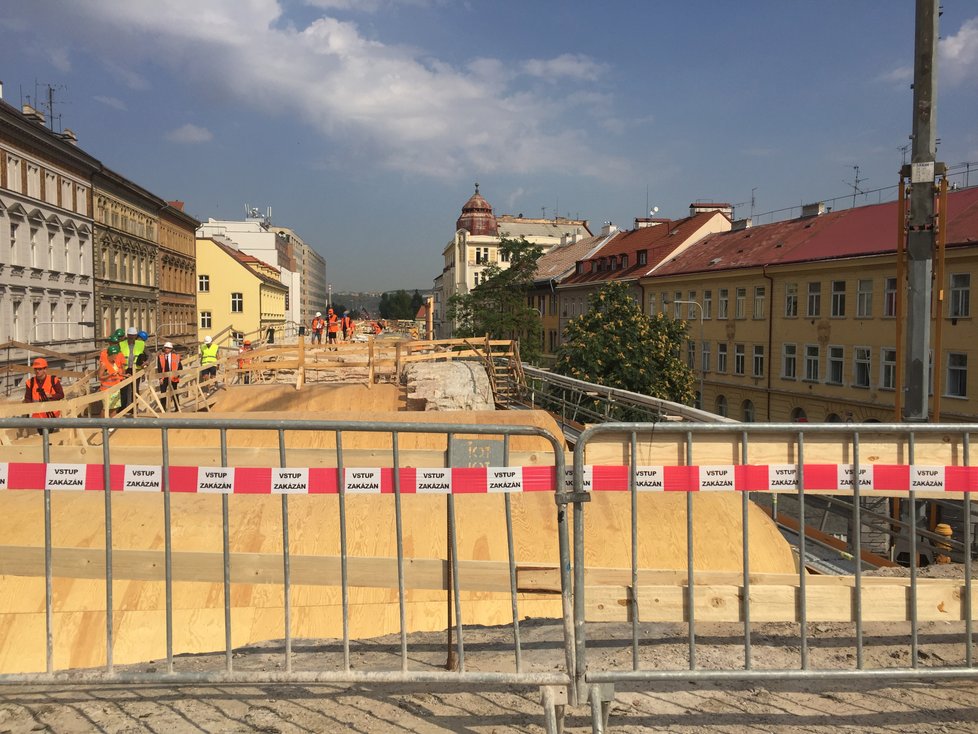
(364, 123)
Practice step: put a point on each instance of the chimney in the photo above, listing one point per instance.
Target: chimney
(813, 210)
(739, 224)
(69, 136)
(31, 114)
(698, 207)
(607, 229)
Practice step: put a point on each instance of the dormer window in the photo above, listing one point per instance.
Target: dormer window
(643, 257)
(579, 269)
(624, 262)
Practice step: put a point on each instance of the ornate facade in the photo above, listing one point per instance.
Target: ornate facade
(178, 275)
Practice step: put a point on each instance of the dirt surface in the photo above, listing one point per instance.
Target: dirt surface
(873, 705)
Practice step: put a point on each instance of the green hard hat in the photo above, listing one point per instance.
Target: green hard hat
(113, 339)
(119, 334)
(113, 349)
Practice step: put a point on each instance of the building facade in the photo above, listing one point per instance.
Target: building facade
(46, 269)
(178, 275)
(312, 273)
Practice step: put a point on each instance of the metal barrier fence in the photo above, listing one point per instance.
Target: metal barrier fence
(331, 474)
(908, 462)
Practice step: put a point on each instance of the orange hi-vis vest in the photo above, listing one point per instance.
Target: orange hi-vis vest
(347, 323)
(334, 324)
(175, 367)
(318, 323)
(112, 370)
(42, 392)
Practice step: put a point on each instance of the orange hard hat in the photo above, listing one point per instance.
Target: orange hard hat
(40, 363)
(247, 342)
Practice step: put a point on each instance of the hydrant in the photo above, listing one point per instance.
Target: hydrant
(943, 554)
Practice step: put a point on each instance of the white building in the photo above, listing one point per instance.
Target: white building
(256, 237)
(478, 233)
(46, 286)
(312, 267)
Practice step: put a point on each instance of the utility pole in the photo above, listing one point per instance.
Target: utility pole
(921, 229)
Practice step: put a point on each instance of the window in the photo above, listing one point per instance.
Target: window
(677, 307)
(579, 268)
(691, 354)
(476, 279)
(705, 357)
(203, 284)
(707, 304)
(838, 298)
(758, 361)
(237, 303)
(624, 261)
(739, 359)
(837, 359)
(889, 297)
(864, 299)
(791, 300)
(723, 302)
(957, 375)
(789, 361)
(960, 295)
(481, 255)
(721, 406)
(812, 360)
(504, 255)
(888, 369)
(721, 357)
(205, 319)
(691, 306)
(748, 411)
(740, 303)
(863, 367)
(759, 298)
(651, 304)
(814, 299)
(643, 257)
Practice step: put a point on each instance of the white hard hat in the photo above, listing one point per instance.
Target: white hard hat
(131, 331)
(207, 340)
(168, 345)
(319, 313)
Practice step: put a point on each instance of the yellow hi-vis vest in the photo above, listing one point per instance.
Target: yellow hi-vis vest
(208, 353)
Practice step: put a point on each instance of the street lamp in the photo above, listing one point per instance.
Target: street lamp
(702, 369)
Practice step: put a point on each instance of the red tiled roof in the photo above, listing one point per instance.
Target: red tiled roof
(658, 242)
(561, 259)
(859, 232)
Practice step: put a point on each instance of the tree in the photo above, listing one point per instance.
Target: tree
(616, 345)
(417, 301)
(396, 305)
(498, 305)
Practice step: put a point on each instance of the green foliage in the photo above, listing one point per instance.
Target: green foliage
(616, 345)
(417, 301)
(498, 305)
(396, 305)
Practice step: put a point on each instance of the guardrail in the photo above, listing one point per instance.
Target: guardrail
(911, 463)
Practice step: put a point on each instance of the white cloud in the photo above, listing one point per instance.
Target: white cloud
(190, 134)
(958, 54)
(900, 76)
(514, 197)
(406, 110)
(571, 66)
(113, 102)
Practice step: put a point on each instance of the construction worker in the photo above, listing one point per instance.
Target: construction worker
(332, 327)
(208, 359)
(347, 324)
(111, 371)
(168, 364)
(134, 350)
(42, 388)
(244, 362)
(318, 325)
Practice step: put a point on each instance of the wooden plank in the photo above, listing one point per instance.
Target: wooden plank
(887, 602)
(253, 568)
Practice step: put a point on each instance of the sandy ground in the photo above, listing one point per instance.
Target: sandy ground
(871, 706)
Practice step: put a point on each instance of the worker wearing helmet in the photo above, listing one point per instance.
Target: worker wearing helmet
(318, 325)
(111, 371)
(244, 361)
(208, 359)
(332, 327)
(134, 350)
(168, 364)
(42, 388)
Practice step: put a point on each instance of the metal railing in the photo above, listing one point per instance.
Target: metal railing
(491, 447)
(650, 447)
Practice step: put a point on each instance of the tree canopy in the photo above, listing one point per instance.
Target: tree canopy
(616, 345)
(498, 305)
(398, 305)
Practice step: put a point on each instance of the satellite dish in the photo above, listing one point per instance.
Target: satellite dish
(653, 211)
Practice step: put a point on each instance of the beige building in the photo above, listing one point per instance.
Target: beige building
(475, 245)
(799, 317)
(178, 275)
(237, 291)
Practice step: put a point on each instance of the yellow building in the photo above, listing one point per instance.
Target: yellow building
(237, 291)
(798, 318)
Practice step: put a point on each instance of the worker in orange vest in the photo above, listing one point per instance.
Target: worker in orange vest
(332, 327)
(42, 388)
(112, 371)
(244, 360)
(318, 325)
(168, 364)
(347, 323)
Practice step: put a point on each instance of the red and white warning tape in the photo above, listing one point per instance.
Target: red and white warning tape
(482, 480)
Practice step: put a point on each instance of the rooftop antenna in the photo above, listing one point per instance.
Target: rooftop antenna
(855, 185)
(905, 149)
(49, 105)
(543, 212)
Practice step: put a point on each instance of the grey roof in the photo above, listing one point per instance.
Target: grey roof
(562, 259)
